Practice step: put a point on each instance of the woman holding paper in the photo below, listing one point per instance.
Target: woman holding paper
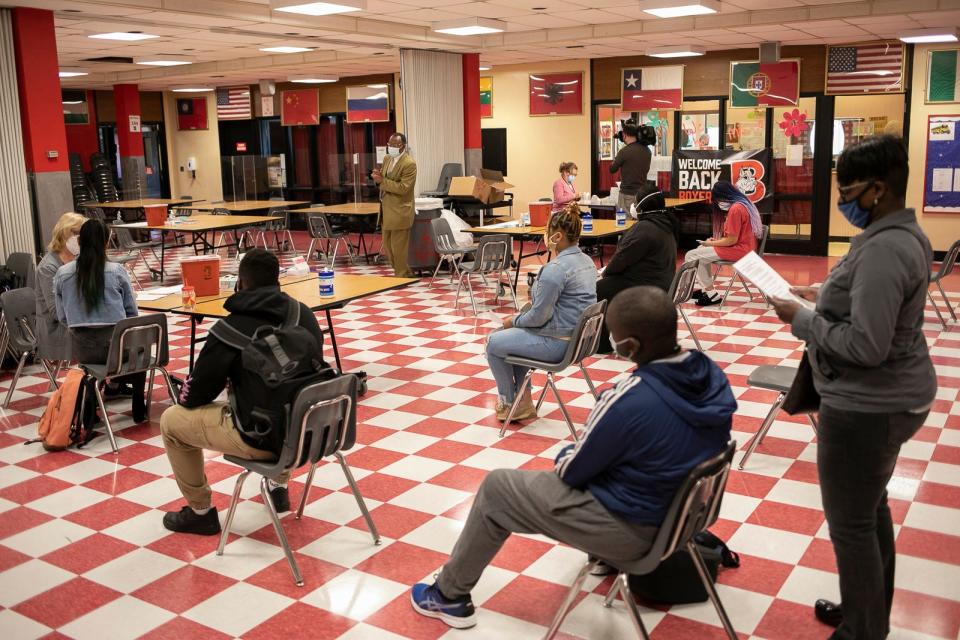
(742, 229)
(872, 370)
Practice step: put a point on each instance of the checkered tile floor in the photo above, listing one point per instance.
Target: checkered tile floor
(83, 553)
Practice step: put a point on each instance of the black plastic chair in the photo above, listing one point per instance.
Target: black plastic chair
(681, 291)
(695, 507)
(138, 345)
(323, 422)
(20, 318)
(323, 234)
(946, 268)
(24, 267)
(448, 172)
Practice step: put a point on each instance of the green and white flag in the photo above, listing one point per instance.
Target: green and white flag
(943, 76)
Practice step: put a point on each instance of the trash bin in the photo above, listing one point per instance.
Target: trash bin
(421, 254)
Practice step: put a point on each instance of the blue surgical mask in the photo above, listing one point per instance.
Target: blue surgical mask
(571, 178)
(854, 213)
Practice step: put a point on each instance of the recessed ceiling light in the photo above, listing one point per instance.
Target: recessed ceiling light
(469, 26)
(945, 34)
(163, 60)
(313, 79)
(679, 51)
(126, 36)
(191, 89)
(72, 73)
(285, 49)
(317, 8)
(678, 8)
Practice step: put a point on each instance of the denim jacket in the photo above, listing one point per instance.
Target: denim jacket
(565, 287)
(118, 300)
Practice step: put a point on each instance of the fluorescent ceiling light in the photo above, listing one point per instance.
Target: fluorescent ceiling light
(318, 8)
(377, 86)
(313, 79)
(126, 36)
(469, 26)
(285, 49)
(675, 52)
(485, 68)
(163, 60)
(73, 102)
(72, 73)
(946, 34)
(679, 8)
(191, 89)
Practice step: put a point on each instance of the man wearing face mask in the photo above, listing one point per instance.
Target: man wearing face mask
(872, 369)
(608, 493)
(633, 163)
(397, 179)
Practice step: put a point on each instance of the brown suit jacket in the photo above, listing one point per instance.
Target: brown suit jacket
(397, 192)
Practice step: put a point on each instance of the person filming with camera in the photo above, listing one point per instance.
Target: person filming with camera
(633, 163)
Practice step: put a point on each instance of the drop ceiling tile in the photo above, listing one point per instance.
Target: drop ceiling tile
(752, 5)
(937, 19)
(544, 21)
(589, 16)
(488, 10)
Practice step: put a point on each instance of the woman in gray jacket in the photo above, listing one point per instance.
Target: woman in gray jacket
(52, 336)
(873, 371)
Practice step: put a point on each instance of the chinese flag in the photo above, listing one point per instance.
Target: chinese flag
(299, 106)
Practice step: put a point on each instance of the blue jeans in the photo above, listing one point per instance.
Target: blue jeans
(525, 344)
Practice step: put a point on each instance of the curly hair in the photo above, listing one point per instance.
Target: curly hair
(567, 167)
(567, 222)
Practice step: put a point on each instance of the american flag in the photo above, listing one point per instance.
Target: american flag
(233, 103)
(865, 68)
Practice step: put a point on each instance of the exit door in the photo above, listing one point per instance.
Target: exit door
(155, 179)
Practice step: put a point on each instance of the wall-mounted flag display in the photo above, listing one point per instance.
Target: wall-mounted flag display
(368, 103)
(556, 94)
(875, 67)
(486, 97)
(299, 107)
(651, 88)
(191, 114)
(753, 84)
(943, 76)
(233, 103)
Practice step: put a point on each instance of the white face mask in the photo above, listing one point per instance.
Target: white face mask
(616, 352)
(724, 206)
(73, 245)
(393, 151)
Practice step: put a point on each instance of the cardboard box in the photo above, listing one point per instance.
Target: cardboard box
(488, 188)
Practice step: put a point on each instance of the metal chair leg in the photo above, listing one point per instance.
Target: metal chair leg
(456, 301)
(232, 510)
(281, 534)
(563, 408)
(946, 301)
(762, 431)
(586, 376)
(693, 334)
(437, 270)
(151, 375)
(106, 418)
(624, 588)
(306, 491)
(527, 380)
(16, 378)
(513, 293)
(815, 422)
(170, 390)
(935, 308)
(726, 292)
(473, 298)
(612, 594)
(360, 501)
(568, 600)
(711, 589)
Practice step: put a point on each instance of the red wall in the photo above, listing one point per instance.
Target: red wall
(126, 97)
(472, 138)
(41, 111)
(82, 138)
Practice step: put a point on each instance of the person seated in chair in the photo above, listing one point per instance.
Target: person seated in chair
(565, 287)
(608, 493)
(198, 422)
(647, 254)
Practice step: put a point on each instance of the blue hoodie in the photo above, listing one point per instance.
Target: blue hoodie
(645, 435)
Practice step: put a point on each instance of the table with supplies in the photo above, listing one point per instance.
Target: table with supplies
(305, 289)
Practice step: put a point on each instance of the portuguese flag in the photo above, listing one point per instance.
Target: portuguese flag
(764, 85)
(943, 84)
(486, 95)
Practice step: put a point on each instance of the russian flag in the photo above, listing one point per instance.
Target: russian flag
(368, 103)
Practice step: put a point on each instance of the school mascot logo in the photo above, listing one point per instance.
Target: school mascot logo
(748, 177)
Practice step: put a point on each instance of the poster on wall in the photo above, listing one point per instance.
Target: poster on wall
(941, 176)
(753, 84)
(486, 97)
(606, 140)
(368, 103)
(191, 114)
(943, 78)
(299, 107)
(651, 88)
(134, 124)
(695, 171)
(556, 94)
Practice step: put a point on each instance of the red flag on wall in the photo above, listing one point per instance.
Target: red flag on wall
(299, 106)
(191, 113)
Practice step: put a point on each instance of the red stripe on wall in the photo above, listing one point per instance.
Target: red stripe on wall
(472, 138)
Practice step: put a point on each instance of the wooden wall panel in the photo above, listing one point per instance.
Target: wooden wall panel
(151, 106)
(708, 75)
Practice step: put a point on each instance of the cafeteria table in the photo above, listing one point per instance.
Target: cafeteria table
(138, 205)
(249, 206)
(305, 289)
(199, 226)
(350, 209)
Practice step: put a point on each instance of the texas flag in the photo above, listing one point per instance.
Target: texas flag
(652, 88)
(368, 103)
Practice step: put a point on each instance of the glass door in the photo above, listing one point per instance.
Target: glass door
(155, 182)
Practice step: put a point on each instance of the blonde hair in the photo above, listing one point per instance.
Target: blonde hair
(567, 222)
(567, 167)
(69, 224)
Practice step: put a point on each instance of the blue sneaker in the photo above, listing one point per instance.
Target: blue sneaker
(428, 601)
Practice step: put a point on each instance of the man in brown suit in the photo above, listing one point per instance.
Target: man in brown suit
(397, 178)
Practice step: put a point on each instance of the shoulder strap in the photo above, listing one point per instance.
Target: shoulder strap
(293, 314)
(229, 335)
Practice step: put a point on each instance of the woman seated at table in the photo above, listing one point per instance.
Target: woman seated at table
(565, 287)
(742, 230)
(563, 190)
(52, 337)
(92, 295)
(647, 254)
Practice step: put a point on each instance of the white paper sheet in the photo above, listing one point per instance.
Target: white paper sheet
(943, 179)
(146, 296)
(161, 291)
(753, 268)
(795, 155)
(503, 225)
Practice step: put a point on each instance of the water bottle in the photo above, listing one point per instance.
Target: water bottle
(119, 217)
(525, 219)
(587, 222)
(621, 218)
(326, 281)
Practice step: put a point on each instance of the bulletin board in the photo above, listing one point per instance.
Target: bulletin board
(941, 176)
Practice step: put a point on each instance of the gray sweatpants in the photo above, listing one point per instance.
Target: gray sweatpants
(516, 501)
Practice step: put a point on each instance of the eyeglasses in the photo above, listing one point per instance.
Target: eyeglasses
(845, 191)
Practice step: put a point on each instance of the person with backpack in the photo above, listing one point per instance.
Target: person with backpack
(609, 493)
(251, 349)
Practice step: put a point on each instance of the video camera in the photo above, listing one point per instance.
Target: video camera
(645, 134)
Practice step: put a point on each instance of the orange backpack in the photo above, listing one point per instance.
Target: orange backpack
(62, 423)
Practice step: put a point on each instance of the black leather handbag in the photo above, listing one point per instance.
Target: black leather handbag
(802, 398)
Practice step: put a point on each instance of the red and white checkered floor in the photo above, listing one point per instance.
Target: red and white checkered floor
(83, 553)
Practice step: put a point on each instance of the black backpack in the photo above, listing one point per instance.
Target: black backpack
(277, 362)
(676, 580)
